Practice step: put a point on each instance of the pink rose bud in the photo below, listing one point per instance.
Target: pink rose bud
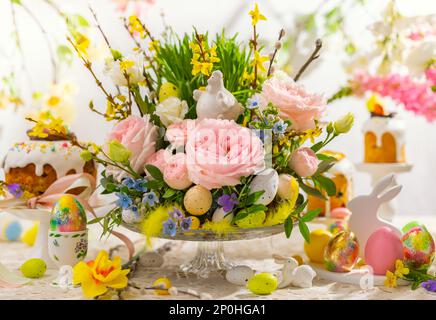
(176, 172)
(304, 162)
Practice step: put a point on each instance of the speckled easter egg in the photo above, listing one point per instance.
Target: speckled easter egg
(341, 252)
(68, 215)
(418, 248)
(382, 249)
(262, 283)
(338, 226)
(167, 90)
(33, 268)
(197, 200)
(253, 220)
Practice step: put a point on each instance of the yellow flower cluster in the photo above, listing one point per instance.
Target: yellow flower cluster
(400, 272)
(116, 108)
(203, 59)
(82, 44)
(311, 134)
(7, 99)
(47, 124)
(256, 16)
(136, 27)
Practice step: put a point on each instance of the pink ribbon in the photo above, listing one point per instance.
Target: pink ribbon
(64, 186)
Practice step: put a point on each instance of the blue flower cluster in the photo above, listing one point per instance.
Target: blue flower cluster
(176, 218)
(128, 202)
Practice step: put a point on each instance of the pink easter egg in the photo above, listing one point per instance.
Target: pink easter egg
(340, 213)
(382, 249)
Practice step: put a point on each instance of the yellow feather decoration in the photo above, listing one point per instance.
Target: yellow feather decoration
(222, 227)
(279, 214)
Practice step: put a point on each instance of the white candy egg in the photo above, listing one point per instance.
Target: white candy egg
(239, 275)
(220, 215)
(268, 181)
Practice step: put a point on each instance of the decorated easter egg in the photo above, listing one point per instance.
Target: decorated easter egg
(418, 248)
(340, 213)
(197, 200)
(239, 275)
(33, 268)
(10, 229)
(130, 216)
(68, 215)
(220, 215)
(315, 248)
(252, 220)
(267, 181)
(341, 252)
(410, 225)
(382, 249)
(262, 283)
(338, 226)
(162, 283)
(288, 187)
(167, 90)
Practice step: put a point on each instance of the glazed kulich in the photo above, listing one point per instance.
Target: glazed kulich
(384, 138)
(35, 165)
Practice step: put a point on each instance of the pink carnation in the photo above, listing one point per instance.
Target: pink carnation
(220, 152)
(137, 134)
(293, 101)
(304, 162)
(416, 96)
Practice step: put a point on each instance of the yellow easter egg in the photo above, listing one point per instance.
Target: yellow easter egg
(197, 200)
(29, 236)
(33, 268)
(167, 90)
(288, 188)
(318, 241)
(195, 223)
(253, 220)
(163, 283)
(262, 283)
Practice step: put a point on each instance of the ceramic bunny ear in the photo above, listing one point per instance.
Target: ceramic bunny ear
(382, 185)
(390, 194)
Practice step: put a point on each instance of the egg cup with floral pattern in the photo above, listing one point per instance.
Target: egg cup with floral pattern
(67, 248)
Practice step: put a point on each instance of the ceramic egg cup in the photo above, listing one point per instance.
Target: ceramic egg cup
(67, 248)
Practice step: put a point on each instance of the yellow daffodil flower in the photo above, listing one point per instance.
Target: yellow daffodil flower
(258, 61)
(391, 280)
(97, 276)
(400, 269)
(256, 16)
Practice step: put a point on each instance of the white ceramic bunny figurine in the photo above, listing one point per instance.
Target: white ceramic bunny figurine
(292, 274)
(216, 102)
(364, 218)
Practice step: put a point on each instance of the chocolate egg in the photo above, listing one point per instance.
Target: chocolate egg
(341, 252)
(418, 248)
(68, 215)
(197, 200)
(382, 249)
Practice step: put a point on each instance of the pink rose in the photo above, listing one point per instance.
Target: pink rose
(177, 132)
(304, 162)
(159, 159)
(293, 101)
(220, 152)
(139, 135)
(176, 172)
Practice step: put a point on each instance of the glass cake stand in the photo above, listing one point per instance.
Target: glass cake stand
(210, 255)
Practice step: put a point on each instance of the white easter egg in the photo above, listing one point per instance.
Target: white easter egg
(130, 216)
(239, 275)
(220, 215)
(268, 181)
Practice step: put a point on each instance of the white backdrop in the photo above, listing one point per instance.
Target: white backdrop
(419, 186)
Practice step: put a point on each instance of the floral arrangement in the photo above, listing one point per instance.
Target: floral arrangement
(208, 135)
(400, 65)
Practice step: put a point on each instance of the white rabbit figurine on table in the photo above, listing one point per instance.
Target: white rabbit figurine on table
(293, 274)
(365, 219)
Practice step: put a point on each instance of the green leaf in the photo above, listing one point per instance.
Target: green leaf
(327, 184)
(65, 54)
(256, 208)
(110, 187)
(154, 172)
(241, 215)
(18, 2)
(304, 230)
(96, 220)
(78, 20)
(289, 225)
(310, 215)
(154, 184)
(300, 208)
(324, 157)
(253, 197)
(324, 166)
(169, 193)
(312, 191)
(317, 146)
